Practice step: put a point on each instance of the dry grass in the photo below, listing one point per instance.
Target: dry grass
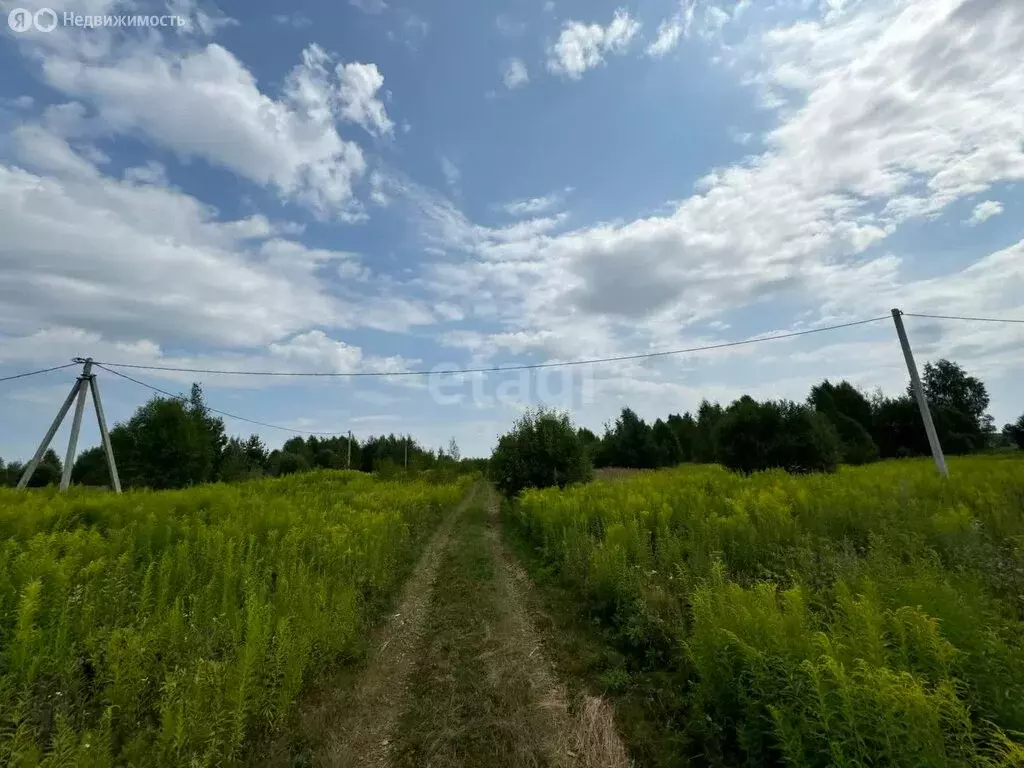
(593, 741)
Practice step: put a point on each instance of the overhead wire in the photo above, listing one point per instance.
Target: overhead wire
(970, 319)
(110, 367)
(36, 373)
(219, 412)
(500, 369)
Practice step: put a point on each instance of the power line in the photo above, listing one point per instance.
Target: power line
(36, 373)
(972, 319)
(502, 369)
(220, 413)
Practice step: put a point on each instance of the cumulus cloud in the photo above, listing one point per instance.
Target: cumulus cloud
(514, 74)
(887, 114)
(583, 46)
(985, 211)
(357, 91)
(204, 103)
(164, 266)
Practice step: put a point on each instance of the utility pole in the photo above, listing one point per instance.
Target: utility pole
(85, 383)
(922, 402)
(348, 461)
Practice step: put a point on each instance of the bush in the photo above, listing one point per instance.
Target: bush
(1015, 432)
(290, 463)
(754, 436)
(542, 450)
(857, 447)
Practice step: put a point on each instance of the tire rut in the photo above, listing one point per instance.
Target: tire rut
(353, 727)
(581, 735)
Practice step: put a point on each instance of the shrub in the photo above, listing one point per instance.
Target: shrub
(290, 463)
(754, 436)
(542, 450)
(1015, 432)
(857, 447)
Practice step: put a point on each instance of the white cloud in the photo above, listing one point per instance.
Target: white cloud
(450, 312)
(549, 6)
(669, 33)
(296, 20)
(359, 84)
(204, 103)
(620, 33)
(985, 211)
(369, 6)
(163, 266)
(412, 31)
(890, 114)
(379, 189)
(582, 46)
(508, 26)
(676, 27)
(515, 74)
(714, 20)
(452, 173)
(533, 206)
(153, 173)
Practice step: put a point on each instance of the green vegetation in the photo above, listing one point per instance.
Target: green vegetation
(463, 711)
(176, 442)
(837, 424)
(177, 628)
(868, 617)
(753, 436)
(542, 450)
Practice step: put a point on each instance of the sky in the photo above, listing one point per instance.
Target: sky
(386, 186)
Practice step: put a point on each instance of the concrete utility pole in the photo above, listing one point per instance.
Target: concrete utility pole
(406, 451)
(86, 382)
(922, 402)
(348, 461)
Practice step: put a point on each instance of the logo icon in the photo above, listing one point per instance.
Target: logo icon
(19, 20)
(45, 19)
(22, 20)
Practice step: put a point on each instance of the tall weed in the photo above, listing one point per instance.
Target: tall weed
(873, 617)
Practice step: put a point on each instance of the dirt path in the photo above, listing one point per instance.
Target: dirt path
(581, 737)
(458, 675)
(353, 725)
(483, 693)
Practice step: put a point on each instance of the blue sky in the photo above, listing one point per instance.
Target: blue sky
(364, 186)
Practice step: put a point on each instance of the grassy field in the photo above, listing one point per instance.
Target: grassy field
(179, 628)
(872, 617)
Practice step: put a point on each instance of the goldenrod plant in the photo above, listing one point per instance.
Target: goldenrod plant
(870, 617)
(174, 628)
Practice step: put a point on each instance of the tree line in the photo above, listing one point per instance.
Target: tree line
(177, 442)
(837, 424)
